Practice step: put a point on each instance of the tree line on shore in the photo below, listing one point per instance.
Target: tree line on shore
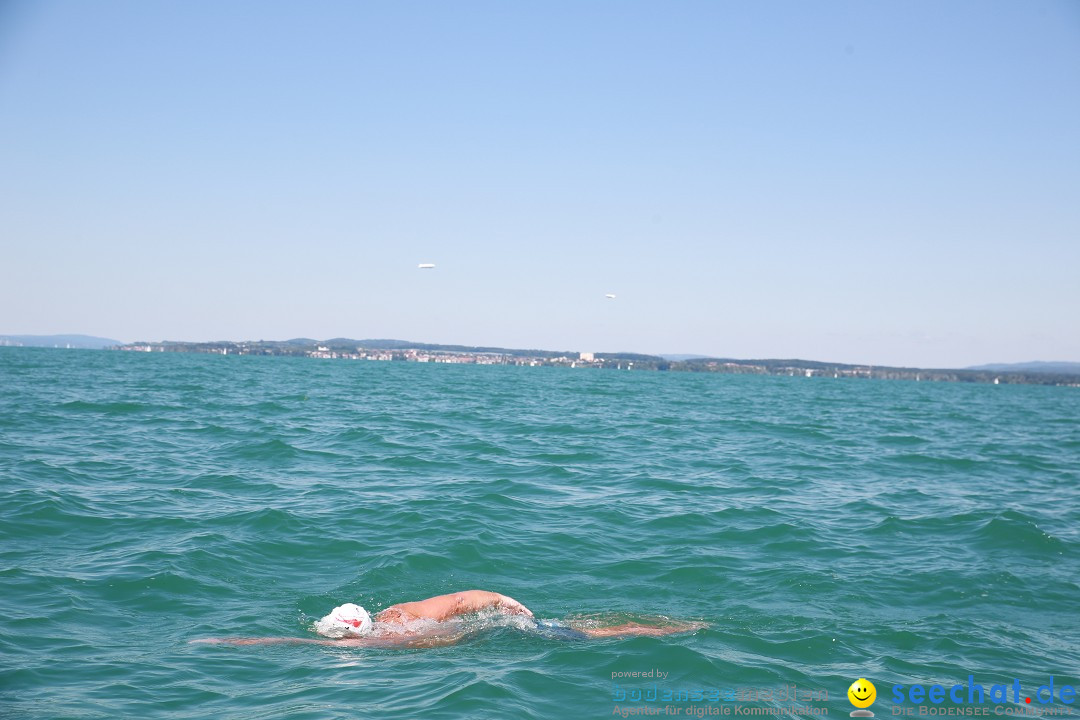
(404, 350)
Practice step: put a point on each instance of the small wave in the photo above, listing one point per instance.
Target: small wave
(1008, 530)
(109, 408)
(939, 461)
(902, 440)
(274, 450)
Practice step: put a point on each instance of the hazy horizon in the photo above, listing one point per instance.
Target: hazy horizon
(878, 183)
(989, 364)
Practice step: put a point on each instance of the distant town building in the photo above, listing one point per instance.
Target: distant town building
(614, 361)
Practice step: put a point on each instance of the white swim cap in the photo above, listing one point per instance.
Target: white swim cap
(346, 620)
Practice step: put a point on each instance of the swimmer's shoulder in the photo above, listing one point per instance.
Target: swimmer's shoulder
(396, 614)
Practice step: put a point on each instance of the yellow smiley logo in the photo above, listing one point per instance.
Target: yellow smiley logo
(862, 693)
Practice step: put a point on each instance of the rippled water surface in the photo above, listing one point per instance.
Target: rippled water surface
(826, 529)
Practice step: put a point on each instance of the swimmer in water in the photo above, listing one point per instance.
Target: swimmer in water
(420, 624)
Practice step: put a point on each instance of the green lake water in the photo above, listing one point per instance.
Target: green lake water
(825, 529)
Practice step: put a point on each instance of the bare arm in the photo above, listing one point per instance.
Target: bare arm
(410, 640)
(634, 628)
(433, 637)
(443, 607)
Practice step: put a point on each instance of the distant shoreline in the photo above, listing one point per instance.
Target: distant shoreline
(408, 351)
(405, 351)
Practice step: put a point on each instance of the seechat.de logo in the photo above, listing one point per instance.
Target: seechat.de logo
(862, 695)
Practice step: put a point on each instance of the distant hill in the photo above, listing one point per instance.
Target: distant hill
(682, 357)
(1039, 373)
(1035, 366)
(84, 342)
(386, 344)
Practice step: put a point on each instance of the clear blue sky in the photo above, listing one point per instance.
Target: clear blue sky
(885, 182)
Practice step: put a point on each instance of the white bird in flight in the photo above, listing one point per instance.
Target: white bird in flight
(610, 296)
(426, 266)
